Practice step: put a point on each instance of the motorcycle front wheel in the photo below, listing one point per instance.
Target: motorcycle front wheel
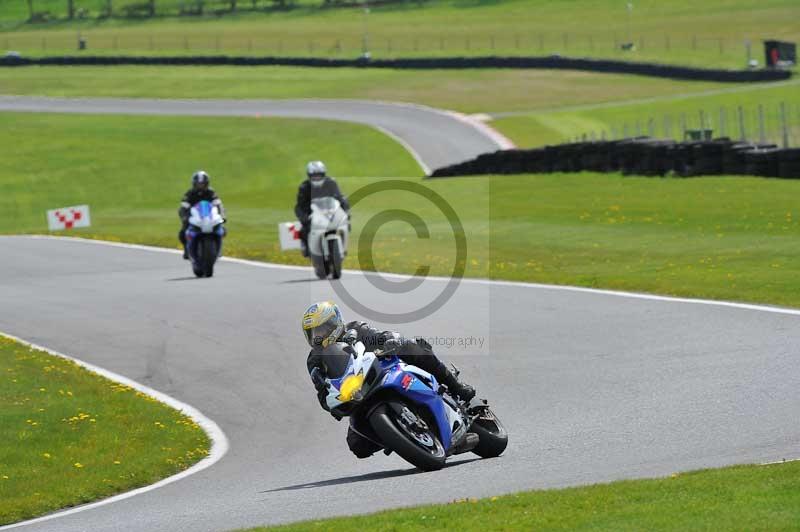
(418, 446)
(336, 260)
(493, 438)
(208, 256)
(318, 262)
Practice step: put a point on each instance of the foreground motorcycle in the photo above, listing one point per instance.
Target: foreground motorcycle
(404, 409)
(204, 237)
(327, 237)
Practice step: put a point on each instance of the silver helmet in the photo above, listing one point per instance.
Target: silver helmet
(316, 172)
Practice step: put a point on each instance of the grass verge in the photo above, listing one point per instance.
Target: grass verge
(712, 33)
(69, 436)
(735, 498)
(733, 238)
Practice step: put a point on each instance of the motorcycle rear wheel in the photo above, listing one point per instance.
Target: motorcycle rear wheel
(426, 453)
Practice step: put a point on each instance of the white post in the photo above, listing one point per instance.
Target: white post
(365, 36)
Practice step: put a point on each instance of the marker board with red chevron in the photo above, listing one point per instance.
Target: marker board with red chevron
(289, 235)
(68, 218)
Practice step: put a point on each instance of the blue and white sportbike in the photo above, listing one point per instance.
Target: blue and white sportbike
(403, 409)
(204, 237)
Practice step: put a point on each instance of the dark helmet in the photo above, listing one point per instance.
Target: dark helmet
(200, 179)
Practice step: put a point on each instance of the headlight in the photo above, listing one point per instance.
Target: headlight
(350, 386)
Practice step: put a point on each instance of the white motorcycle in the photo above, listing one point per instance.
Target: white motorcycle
(327, 237)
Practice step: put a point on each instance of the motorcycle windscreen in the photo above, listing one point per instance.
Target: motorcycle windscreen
(336, 358)
(327, 203)
(203, 209)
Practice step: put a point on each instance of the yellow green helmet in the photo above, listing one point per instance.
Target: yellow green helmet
(322, 324)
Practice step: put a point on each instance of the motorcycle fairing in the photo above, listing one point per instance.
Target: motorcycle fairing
(418, 392)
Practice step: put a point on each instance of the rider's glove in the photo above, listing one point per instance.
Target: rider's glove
(350, 337)
(390, 346)
(322, 396)
(321, 385)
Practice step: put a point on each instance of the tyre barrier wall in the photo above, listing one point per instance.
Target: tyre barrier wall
(639, 156)
(553, 62)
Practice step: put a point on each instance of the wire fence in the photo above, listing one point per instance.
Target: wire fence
(685, 49)
(777, 124)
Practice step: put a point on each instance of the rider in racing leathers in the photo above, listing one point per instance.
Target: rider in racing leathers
(323, 326)
(200, 191)
(318, 185)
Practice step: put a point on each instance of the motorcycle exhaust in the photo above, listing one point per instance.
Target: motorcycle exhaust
(467, 443)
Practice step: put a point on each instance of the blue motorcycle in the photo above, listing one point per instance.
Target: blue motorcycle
(204, 237)
(403, 409)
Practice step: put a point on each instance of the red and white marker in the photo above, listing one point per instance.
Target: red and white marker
(68, 218)
(289, 234)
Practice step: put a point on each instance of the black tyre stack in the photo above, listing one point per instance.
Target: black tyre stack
(643, 156)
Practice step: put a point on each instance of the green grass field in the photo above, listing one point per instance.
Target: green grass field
(69, 436)
(723, 237)
(736, 498)
(711, 33)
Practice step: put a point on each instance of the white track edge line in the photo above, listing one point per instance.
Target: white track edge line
(503, 142)
(407, 146)
(778, 462)
(219, 442)
(517, 284)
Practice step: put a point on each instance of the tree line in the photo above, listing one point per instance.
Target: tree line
(147, 8)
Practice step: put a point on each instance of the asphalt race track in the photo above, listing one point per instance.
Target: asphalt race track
(436, 138)
(591, 386)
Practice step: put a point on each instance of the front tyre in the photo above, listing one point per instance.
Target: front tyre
(197, 258)
(492, 435)
(208, 255)
(318, 262)
(336, 259)
(419, 446)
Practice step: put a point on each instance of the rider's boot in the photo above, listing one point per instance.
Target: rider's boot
(185, 253)
(463, 391)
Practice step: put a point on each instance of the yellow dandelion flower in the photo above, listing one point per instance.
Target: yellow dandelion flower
(117, 462)
(46, 455)
(78, 465)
